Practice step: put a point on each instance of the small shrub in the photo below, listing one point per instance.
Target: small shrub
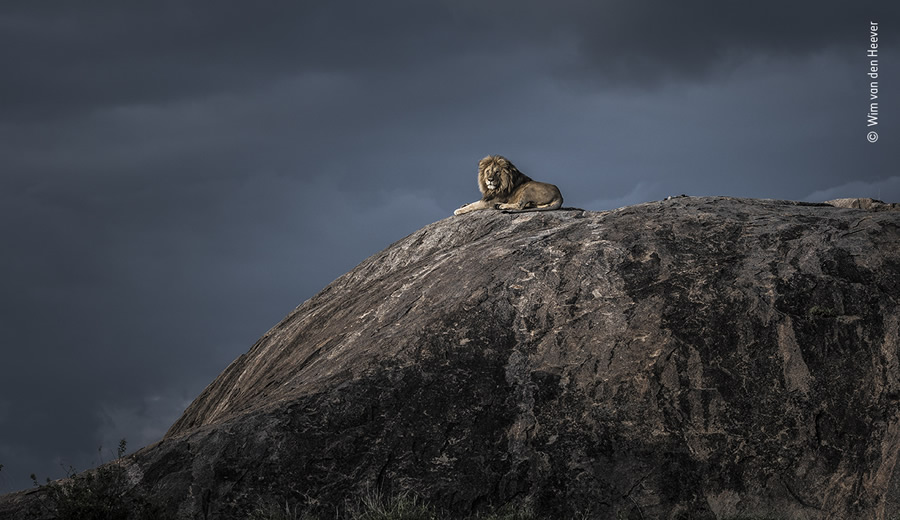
(95, 495)
(101, 494)
(375, 506)
(754, 517)
(509, 513)
(271, 510)
(819, 312)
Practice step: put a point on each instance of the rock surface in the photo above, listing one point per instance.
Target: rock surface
(689, 358)
(869, 204)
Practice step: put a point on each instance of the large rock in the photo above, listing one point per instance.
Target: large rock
(690, 358)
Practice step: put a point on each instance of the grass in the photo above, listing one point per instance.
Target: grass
(373, 505)
(105, 493)
(271, 510)
(820, 312)
(754, 517)
(407, 506)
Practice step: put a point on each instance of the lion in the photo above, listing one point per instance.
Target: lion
(504, 187)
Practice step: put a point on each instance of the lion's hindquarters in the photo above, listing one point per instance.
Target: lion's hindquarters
(556, 204)
(533, 196)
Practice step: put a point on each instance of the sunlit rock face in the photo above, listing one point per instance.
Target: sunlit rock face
(690, 358)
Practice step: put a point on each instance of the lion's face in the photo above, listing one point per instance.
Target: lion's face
(492, 179)
(496, 175)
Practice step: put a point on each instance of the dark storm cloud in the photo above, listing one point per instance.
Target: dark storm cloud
(61, 56)
(646, 43)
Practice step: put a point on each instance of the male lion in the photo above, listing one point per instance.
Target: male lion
(504, 187)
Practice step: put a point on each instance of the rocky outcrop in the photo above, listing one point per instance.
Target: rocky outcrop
(690, 358)
(869, 204)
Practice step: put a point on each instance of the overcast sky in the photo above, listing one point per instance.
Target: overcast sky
(175, 177)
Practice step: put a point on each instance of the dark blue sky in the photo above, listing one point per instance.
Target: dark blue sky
(175, 177)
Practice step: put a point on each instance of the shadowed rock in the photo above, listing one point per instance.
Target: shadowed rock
(693, 358)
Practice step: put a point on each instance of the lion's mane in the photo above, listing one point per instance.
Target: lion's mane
(510, 176)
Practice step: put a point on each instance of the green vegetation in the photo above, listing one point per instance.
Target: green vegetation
(754, 517)
(375, 506)
(819, 312)
(270, 510)
(509, 513)
(105, 493)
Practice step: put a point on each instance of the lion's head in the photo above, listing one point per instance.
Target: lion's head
(498, 177)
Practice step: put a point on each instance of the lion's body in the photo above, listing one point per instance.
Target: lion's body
(504, 187)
